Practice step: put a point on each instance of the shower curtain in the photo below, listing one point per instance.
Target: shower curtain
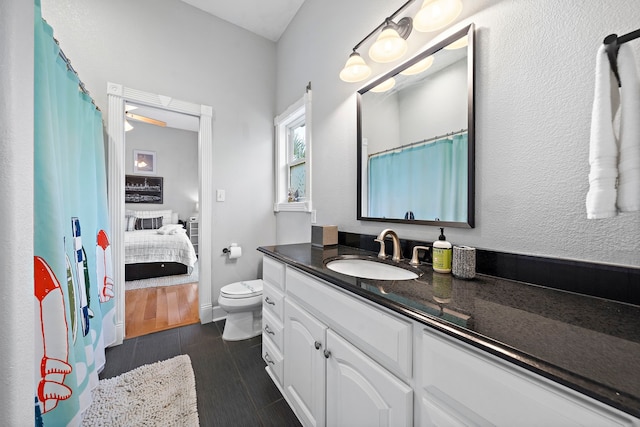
(424, 181)
(73, 287)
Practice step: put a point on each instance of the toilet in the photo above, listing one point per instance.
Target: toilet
(243, 303)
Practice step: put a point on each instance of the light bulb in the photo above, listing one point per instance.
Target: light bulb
(436, 14)
(388, 47)
(355, 69)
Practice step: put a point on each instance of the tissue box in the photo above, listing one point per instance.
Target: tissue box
(324, 235)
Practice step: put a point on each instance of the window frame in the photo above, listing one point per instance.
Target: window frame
(291, 117)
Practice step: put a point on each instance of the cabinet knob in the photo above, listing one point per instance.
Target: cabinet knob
(268, 359)
(327, 354)
(268, 330)
(318, 345)
(268, 301)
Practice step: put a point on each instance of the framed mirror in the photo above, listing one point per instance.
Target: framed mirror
(416, 139)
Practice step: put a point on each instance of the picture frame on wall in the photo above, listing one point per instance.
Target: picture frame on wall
(143, 189)
(144, 162)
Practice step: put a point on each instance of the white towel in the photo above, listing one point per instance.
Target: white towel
(629, 140)
(603, 150)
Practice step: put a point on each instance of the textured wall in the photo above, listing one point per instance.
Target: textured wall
(535, 80)
(16, 211)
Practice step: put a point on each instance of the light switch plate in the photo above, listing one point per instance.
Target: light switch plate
(220, 195)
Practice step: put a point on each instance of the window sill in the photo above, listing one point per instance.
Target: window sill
(292, 207)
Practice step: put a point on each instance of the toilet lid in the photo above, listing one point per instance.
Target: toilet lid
(244, 289)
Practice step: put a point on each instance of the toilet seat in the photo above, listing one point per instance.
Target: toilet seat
(240, 290)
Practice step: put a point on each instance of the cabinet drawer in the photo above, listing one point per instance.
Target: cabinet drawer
(476, 387)
(272, 329)
(272, 301)
(274, 360)
(273, 272)
(378, 333)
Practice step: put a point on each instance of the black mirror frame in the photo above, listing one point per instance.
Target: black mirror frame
(470, 223)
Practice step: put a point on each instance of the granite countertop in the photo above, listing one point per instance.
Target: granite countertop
(586, 343)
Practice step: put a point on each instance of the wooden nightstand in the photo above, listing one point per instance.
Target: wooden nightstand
(192, 232)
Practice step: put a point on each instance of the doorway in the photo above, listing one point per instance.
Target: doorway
(119, 95)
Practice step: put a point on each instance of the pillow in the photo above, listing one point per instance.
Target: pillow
(174, 218)
(165, 214)
(170, 229)
(148, 223)
(129, 223)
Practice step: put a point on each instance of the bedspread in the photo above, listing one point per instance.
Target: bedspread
(150, 246)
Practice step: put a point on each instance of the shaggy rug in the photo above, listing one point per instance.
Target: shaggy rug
(158, 394)
(157, 282)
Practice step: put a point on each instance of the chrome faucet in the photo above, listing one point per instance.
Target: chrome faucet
(397, 253)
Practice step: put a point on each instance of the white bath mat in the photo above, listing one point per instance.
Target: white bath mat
(158, 394)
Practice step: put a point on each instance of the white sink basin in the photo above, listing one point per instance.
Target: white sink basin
(370, 269)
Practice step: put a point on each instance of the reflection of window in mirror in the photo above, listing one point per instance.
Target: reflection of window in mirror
(293, 159)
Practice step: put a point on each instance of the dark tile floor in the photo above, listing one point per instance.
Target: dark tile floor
(232, 386)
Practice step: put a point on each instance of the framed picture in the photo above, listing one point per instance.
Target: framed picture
(144, 162)
(143, 189)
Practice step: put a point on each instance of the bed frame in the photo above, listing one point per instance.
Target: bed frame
(153, 269)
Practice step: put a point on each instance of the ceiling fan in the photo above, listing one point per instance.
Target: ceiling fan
(141, 118)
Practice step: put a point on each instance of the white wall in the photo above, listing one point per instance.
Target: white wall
(16, 210)
(173, 49)
(534, 92)
(176, 154)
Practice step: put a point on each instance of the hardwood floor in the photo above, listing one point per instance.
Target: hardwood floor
(157, 309)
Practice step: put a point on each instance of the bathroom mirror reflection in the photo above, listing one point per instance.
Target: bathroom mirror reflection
(416, 139)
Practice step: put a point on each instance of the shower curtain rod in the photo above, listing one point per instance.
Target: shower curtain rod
(613, 42)
(67, 61)
(424, 141)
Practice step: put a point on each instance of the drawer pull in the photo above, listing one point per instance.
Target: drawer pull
(327, 354)
(268, 359)
(268, 301)
(318, 345)
(268, 330)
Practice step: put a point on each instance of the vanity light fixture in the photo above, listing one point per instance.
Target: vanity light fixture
(355, 69)
(385, 85)
(392, 41)
(436, 14)
(419, 66)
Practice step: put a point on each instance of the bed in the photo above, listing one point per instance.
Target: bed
(155, 246)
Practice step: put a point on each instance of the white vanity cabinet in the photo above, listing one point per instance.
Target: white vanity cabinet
(330, 382)
(341, 360)
(272, 319)
(460, 385)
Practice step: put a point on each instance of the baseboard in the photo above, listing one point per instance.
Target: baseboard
(206, 313)
(218, 314)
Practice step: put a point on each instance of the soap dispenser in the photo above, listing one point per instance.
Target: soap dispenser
(442, 254)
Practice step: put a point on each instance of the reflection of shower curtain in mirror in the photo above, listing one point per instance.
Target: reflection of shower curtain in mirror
(73, 288)
(428, 180)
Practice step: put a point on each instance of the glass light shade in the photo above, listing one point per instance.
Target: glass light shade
(419, 66)
(127, 126)
(388, 47)
(385, 85)
(458, 44)
(355, 69)
(436, 14)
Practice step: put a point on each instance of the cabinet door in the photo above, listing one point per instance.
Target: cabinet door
(362, 393)
(305, 368)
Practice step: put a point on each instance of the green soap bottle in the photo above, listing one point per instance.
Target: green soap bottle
(442, 254)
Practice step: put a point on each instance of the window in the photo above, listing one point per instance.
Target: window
(293, 157)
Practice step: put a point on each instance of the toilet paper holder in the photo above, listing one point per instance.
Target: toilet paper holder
(235, 253)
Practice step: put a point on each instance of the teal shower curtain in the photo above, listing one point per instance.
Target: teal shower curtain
(423, 182)
(73, 286)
